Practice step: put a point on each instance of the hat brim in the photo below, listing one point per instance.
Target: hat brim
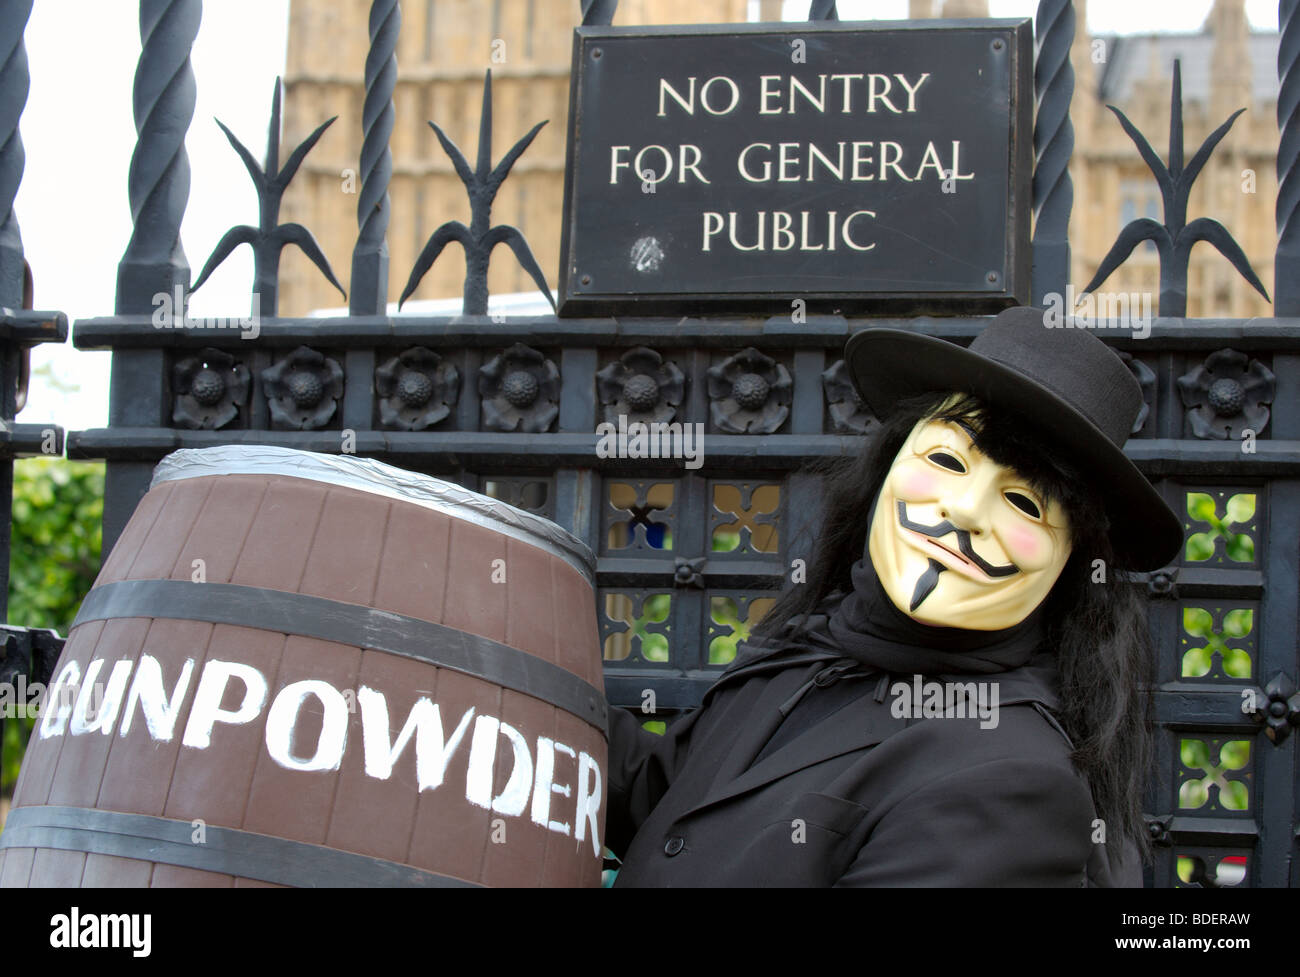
(888, 365)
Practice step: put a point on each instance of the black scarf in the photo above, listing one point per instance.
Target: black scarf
(864, 625)
(868, 627)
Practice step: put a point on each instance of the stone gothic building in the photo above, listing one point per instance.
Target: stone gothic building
(446, 45)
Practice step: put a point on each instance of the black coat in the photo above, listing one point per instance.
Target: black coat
(862, 798)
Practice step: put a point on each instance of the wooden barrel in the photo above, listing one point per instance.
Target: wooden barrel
(302, 669)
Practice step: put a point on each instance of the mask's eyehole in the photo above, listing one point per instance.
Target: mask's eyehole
(945, 460)
(1025, 504)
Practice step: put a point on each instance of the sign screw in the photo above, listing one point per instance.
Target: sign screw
(992, 277)
(586, 279)
(595, 52)
(997, 44)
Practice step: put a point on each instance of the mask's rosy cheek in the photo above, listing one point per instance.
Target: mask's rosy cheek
(913, 481)
(1028, 547)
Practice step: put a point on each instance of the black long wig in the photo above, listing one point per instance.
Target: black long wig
(1097, 620)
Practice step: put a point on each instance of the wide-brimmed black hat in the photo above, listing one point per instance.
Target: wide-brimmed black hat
(1062, 380)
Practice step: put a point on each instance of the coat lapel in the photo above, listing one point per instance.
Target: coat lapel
(825, 740)
(763, 717)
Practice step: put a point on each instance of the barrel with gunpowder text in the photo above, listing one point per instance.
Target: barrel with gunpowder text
(304, 670)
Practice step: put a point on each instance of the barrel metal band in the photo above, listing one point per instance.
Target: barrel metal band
(350, 624)
(230, 851)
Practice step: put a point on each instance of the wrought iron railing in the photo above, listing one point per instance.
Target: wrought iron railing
(24, 653)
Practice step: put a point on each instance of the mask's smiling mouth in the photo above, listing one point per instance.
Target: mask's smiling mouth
(966, 562)
(933, 549)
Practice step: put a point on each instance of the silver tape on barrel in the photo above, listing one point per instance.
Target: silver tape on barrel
(378, 478)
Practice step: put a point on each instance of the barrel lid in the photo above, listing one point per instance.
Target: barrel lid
(377, 478)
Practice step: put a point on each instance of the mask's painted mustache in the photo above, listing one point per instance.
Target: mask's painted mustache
(926, 583)
(963, 542)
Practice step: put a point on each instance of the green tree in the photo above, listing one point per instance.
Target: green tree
(54, 556)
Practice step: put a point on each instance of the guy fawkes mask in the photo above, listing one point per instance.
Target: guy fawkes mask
(960, 541)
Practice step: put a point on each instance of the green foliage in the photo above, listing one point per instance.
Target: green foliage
(54, 556)
(16, 733)
(54, 548)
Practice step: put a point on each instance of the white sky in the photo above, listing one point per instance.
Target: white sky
(78, 132)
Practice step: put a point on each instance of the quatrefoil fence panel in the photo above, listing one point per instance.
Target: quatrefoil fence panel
(746, 517)
(1213, 868)
(733, 615)
(531, 493)
(639, 516)
(693, 537)
(1223, 527)
(1214, 775)
(715, 544)
(1217, 653)
(1218, 642)
(636, 626)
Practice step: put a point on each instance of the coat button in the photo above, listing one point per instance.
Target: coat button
(674, 845)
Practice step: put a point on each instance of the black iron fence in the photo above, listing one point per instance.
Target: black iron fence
(690, 557)
(25, 655)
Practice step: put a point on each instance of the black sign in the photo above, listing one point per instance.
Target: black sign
(861, 168)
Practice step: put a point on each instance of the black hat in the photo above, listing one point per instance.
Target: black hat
(1062, 380)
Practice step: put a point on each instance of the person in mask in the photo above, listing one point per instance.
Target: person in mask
(954, 697)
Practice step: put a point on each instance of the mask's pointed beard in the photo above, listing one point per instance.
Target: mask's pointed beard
(926, 583)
